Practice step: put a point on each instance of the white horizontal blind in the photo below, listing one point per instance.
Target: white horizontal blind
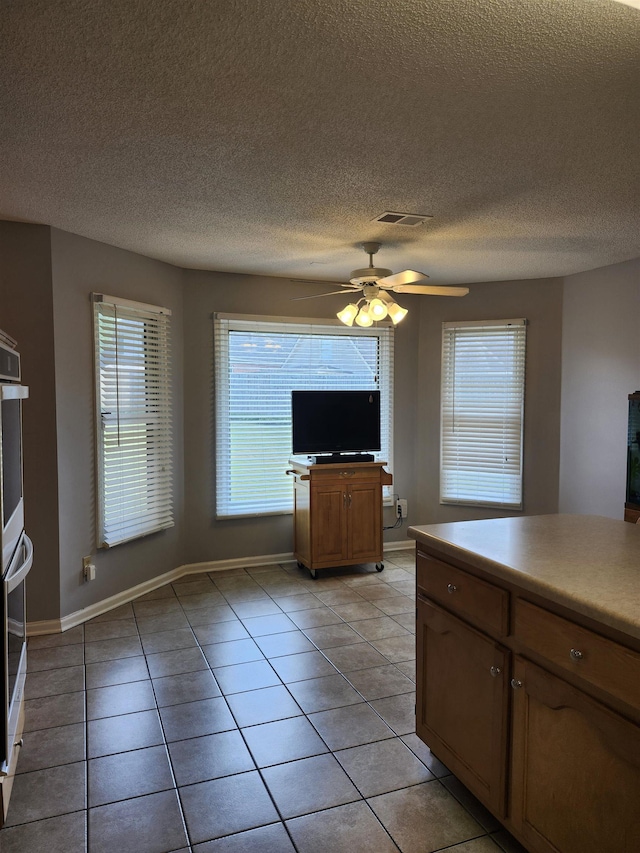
(134, 419)
(258, 363)
(483, 371)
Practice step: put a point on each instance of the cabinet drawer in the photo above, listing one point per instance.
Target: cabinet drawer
(345, 475)
(484, 605)
(600, 661)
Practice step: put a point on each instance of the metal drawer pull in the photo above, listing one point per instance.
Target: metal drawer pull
(495, 671)
(576, 654)
(516, 683)
(451, 588)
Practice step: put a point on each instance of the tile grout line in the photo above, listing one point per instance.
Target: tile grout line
(164, 740)
(303, 714)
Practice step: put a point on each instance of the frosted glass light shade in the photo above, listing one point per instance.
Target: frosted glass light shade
(396, 312)
(364, 318)
(377, 309)
(348, 314)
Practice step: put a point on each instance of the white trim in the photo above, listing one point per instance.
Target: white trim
(129, 303)
(482, 399)
(400, 545)
(238, 492)
(133, 417)
(302, 321)
(483, 324)
(79, 617)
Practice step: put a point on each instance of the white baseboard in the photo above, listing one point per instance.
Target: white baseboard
(400, 546)
(55, 626)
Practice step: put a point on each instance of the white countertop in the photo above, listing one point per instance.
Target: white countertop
(588, 563)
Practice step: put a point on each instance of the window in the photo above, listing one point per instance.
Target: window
(483, 366)
(259, 361)
(133, 432)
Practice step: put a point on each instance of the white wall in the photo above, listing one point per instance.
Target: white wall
(600, 367)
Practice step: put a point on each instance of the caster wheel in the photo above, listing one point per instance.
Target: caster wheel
(379, 567)
(301, 565)
(313, 573)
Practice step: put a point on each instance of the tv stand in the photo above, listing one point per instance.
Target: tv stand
(337, 458)
(338, 513)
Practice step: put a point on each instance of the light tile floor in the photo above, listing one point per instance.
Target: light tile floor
(252, 710)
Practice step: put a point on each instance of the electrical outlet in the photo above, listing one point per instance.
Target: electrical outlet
(402, 508)
(88, 569)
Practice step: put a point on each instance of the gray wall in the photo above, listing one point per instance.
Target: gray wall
(206, 293)
(600, 367)
(80, 267)
(540, 302)
(26, 313)
(47, 276)
(416, 401)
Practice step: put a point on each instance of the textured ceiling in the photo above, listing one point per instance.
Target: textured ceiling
(263, 136)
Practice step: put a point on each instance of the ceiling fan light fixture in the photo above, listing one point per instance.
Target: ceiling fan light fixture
(348, 314)
(377, 309)
(364, 318)
(396, 312)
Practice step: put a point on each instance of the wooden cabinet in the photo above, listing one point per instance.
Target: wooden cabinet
(536, 711)
(575, 769)
(462, 701)
(338, 514)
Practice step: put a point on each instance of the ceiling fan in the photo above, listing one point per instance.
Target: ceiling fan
(375, 283)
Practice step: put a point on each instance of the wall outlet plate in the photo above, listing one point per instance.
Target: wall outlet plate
(403, 508)
(88, 569)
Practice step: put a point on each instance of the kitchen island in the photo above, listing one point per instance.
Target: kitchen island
(528, 673)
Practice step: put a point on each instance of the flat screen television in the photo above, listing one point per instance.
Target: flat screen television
(335, 422)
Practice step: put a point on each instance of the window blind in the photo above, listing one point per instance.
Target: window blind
(133, 395)
(258, 362)
(483, 373)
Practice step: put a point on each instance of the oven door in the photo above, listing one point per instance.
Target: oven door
(11, 495)
(14, 642)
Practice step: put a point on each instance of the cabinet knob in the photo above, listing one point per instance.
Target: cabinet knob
(516, 683)
(495, 671)
(576, 654)
(451, 588)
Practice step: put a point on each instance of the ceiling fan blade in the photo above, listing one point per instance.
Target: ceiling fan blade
(321, 281)
(430, 289)
(404, 277)
(331, 293)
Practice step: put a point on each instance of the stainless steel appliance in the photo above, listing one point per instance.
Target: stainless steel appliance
(17, 551)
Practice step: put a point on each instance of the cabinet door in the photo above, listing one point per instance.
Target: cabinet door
(328, 522)
(575, 769)
(365, 521)
(462, 701)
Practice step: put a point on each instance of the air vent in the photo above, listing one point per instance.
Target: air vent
(389, 217)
